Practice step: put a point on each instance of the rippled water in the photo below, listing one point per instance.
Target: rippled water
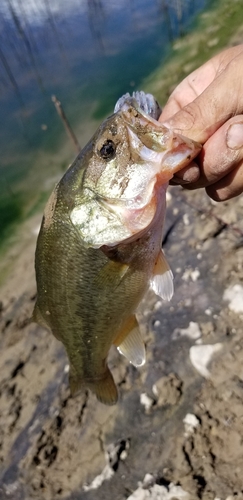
(87, 53)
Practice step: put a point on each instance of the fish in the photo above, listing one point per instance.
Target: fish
(99, 246)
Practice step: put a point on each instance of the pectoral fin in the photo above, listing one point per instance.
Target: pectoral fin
(162, 280)
(129, 342)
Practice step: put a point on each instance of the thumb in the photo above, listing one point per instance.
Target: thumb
(221, 100)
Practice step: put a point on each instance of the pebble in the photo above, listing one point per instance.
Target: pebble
(158, 492)
(234, 295)
(192, 331)
(201, 355)
(191, 422)
(146, 401)
(192, 274)
(186, 219)
(107, 473)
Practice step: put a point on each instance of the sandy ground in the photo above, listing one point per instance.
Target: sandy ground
(177, 431)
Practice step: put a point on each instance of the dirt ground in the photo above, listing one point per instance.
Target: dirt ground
(177, 430)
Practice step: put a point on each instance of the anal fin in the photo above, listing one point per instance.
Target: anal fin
(129, 342)
(162, 280)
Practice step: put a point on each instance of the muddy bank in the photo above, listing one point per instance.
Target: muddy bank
(177, 430)
(179, 418)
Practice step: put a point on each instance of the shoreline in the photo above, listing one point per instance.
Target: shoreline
(188, 433)
(217, 27)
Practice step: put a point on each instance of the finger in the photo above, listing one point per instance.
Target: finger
(221, 154)
(189, 174)
(202, 117)
(196, 82)
(187, 91)
(228, 187)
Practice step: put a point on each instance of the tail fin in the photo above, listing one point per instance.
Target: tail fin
(104, 388)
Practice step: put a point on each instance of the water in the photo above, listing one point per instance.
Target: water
(88, 53)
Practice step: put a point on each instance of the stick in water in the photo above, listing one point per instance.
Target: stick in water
(66, 123)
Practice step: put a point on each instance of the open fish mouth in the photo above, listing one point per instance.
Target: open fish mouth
(155, 143)
(109, 216)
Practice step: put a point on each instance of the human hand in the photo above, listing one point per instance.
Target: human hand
(207, 106)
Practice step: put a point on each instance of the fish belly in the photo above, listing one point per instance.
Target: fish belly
(85, 297)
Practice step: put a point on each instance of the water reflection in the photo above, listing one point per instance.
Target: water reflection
(87, 52)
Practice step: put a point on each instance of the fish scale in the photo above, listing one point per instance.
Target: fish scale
(99, 246)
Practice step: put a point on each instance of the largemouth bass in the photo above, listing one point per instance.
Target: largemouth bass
(99, 246)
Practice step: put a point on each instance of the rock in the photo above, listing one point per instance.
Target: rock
(168, 390)
(201, 355)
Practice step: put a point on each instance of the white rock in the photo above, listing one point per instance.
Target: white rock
(148, 481)
(191, 422)
(195, 274)
(192, 331)
(107, 473)
(234, 295)
(208, 312)
(186, 219)
(158, 305)
(123, 455)
(157, 492)
(146, 401)
(11, 488)
(201, 355)
(192, 274)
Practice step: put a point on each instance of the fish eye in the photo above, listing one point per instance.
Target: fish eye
(108, 150)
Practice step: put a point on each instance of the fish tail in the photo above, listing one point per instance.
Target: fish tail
(104, 388)
(75, 382)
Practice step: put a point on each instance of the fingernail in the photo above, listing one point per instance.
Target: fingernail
(178, 180)
(192, 174)
(234, 136)
(188, 174)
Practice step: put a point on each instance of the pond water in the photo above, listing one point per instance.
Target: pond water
(88, 53)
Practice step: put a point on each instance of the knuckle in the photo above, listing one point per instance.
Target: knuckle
(192, 113)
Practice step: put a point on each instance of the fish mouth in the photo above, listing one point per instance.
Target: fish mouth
(164, 150)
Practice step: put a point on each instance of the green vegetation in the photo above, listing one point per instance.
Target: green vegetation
(219, 26)
(10, 213)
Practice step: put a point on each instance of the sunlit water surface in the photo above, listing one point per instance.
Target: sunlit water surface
(88, 53)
